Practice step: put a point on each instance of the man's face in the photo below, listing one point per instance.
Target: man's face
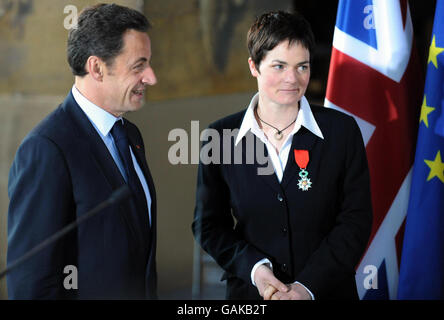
(284, 74)
(125, 80)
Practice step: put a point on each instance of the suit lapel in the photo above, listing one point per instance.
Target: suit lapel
(95, 144)
(139, 153)
(271, 179)
(100, 154)
(137, 146)
(259, 148)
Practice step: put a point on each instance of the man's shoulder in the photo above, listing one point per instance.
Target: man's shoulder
(42, 143)
(57, 126)
(52, 125)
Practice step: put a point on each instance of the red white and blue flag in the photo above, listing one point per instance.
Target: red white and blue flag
(375, 76)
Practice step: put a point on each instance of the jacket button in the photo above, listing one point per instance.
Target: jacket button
(280, 197)
(284, 267)
(284, 230)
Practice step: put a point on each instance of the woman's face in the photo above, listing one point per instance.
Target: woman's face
(284, 74)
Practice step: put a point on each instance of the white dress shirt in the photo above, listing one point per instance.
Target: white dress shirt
(103, 122)
(304, 118)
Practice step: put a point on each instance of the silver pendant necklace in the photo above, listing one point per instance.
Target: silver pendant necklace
(278, 134)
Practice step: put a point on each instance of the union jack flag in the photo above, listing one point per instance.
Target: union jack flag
(375, 76)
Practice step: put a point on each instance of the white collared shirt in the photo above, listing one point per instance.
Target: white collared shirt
(304, 118)
(103, 122)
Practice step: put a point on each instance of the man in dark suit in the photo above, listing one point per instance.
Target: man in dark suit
(75, 158)
(299, 232)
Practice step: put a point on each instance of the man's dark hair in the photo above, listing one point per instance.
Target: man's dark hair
(100, 33)
(272, 28)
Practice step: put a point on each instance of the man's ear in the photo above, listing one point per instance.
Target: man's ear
(254, 72)
(95, 67)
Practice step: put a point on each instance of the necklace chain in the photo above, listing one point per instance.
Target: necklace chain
(279, 132)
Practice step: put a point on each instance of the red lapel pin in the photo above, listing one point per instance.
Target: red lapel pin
(302, 158)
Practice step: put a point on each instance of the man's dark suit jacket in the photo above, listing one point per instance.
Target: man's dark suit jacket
(61, 170)
(316, 237)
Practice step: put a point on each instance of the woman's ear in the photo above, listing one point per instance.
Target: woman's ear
(254, 72)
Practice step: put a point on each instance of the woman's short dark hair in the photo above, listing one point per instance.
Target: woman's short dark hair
(272, 28)
(99, 32)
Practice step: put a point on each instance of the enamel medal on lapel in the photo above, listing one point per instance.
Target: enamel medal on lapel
(302, 158)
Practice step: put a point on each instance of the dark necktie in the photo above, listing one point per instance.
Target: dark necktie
(140, 214)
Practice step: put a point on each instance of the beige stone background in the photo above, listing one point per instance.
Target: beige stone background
(200, 58)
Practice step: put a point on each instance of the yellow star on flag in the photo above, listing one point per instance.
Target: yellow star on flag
(425, 110)
(436, 168)
(434, 52)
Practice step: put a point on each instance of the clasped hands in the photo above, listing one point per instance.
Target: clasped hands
(270, 288)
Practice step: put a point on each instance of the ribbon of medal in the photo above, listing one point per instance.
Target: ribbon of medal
(302, 158)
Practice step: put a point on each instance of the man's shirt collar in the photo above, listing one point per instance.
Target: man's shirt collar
(101, 119)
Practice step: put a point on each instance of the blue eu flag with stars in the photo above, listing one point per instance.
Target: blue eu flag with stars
(422, 263)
